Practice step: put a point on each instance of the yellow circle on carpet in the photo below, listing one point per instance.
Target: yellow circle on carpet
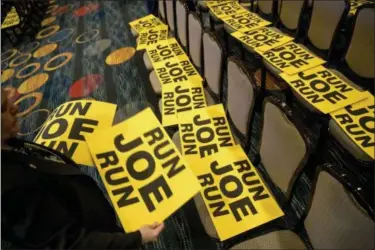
(13, 63)
(47, 32)
(38, 98)
(35, 129)
(6, 75)
(12, 52)
(48, 21)
(52, 8)
(36, 67)
(33, 83)
(120, 56)
(67, 55)
(45, 50)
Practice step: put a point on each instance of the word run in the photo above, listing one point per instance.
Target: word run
(230, 187)
(163, 52)
(56, 126)
(147, 24)
(205, 136)
(183, 98)
(152, 36)
(245, 21)
(162, 152)
(226, 8)
(176, 71)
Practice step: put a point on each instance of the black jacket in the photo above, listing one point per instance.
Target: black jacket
(47, 202)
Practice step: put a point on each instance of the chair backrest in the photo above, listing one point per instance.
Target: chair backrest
(213, 63)
(161, 5)
(241, 96)
(326, 20)
(360, 54)
(181, 19)
(195, 29)
(338, 217)
(290, 13)
(170, 5)
(284, 147)
(267, 9)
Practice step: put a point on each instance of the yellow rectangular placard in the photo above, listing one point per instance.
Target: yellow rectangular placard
(68, 126)
(143, 172)
(226, 8)
(262, 39)
(213, 2)
(12, 19)
(152, 37)
(204, 132)
(291, 58)
(355, 4)
(245, 21)
(145, 23)
(357, 120)
(323, 89)
(179, 98)
(235, 195)
(177, 70)
(165, 50)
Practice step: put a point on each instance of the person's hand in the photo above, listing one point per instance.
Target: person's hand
(151, 232)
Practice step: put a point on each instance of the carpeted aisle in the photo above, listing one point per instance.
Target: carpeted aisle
(86, 50)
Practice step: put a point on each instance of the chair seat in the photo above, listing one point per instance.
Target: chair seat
(202, 5)
(155, 83)
(228, 28)
(283, 239)
(272, 83)
(215, 18)
(134, 33)
(147, 61)
(345, 141)
(176, 140)
(205, 217)
(345, 79)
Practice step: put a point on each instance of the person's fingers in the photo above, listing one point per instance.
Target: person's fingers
(159, 229)
(154, 225)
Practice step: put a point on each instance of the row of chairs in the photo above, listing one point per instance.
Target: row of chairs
(285, 147)
(30, 12)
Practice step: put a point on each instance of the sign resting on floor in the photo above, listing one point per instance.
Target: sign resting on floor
(179, 98)
(245, 21)
(145, 23)
(68, 126)
(144, 174)
(152, 37)
(357, 121)
(262, 39)
(291, 58)
(204, 132)
(323, 89)
(235, 195)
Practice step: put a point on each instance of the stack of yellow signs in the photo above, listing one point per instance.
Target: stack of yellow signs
(235, 196)
(181, 84)
(151, 30)
(12, 19)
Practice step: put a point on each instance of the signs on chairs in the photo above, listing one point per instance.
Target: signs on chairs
(204, 132)
(144, 174)
(68, 126)
(179, 98)
(355, 4)
(323, 89)
(146, 23)
(223, 9)
(357, 121)
(235, 195)
(11, 19)
(164, 51)
(291, 58)
(245, 21)
(262, 39)
(152, 36)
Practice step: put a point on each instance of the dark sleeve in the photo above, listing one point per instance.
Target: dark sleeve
(103, 240)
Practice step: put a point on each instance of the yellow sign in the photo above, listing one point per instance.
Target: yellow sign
(178, 98)
(146, 23)
(204, 132)
(11, 19)
(177, 70)
(152, 36)
(68, 126)
(142, 170)
(164, 51)
(226, 8)
(262, 39)
(323, 89)
(235, 195)
(291, 58)
(357, 120)
(245, 21)
(355, 4)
